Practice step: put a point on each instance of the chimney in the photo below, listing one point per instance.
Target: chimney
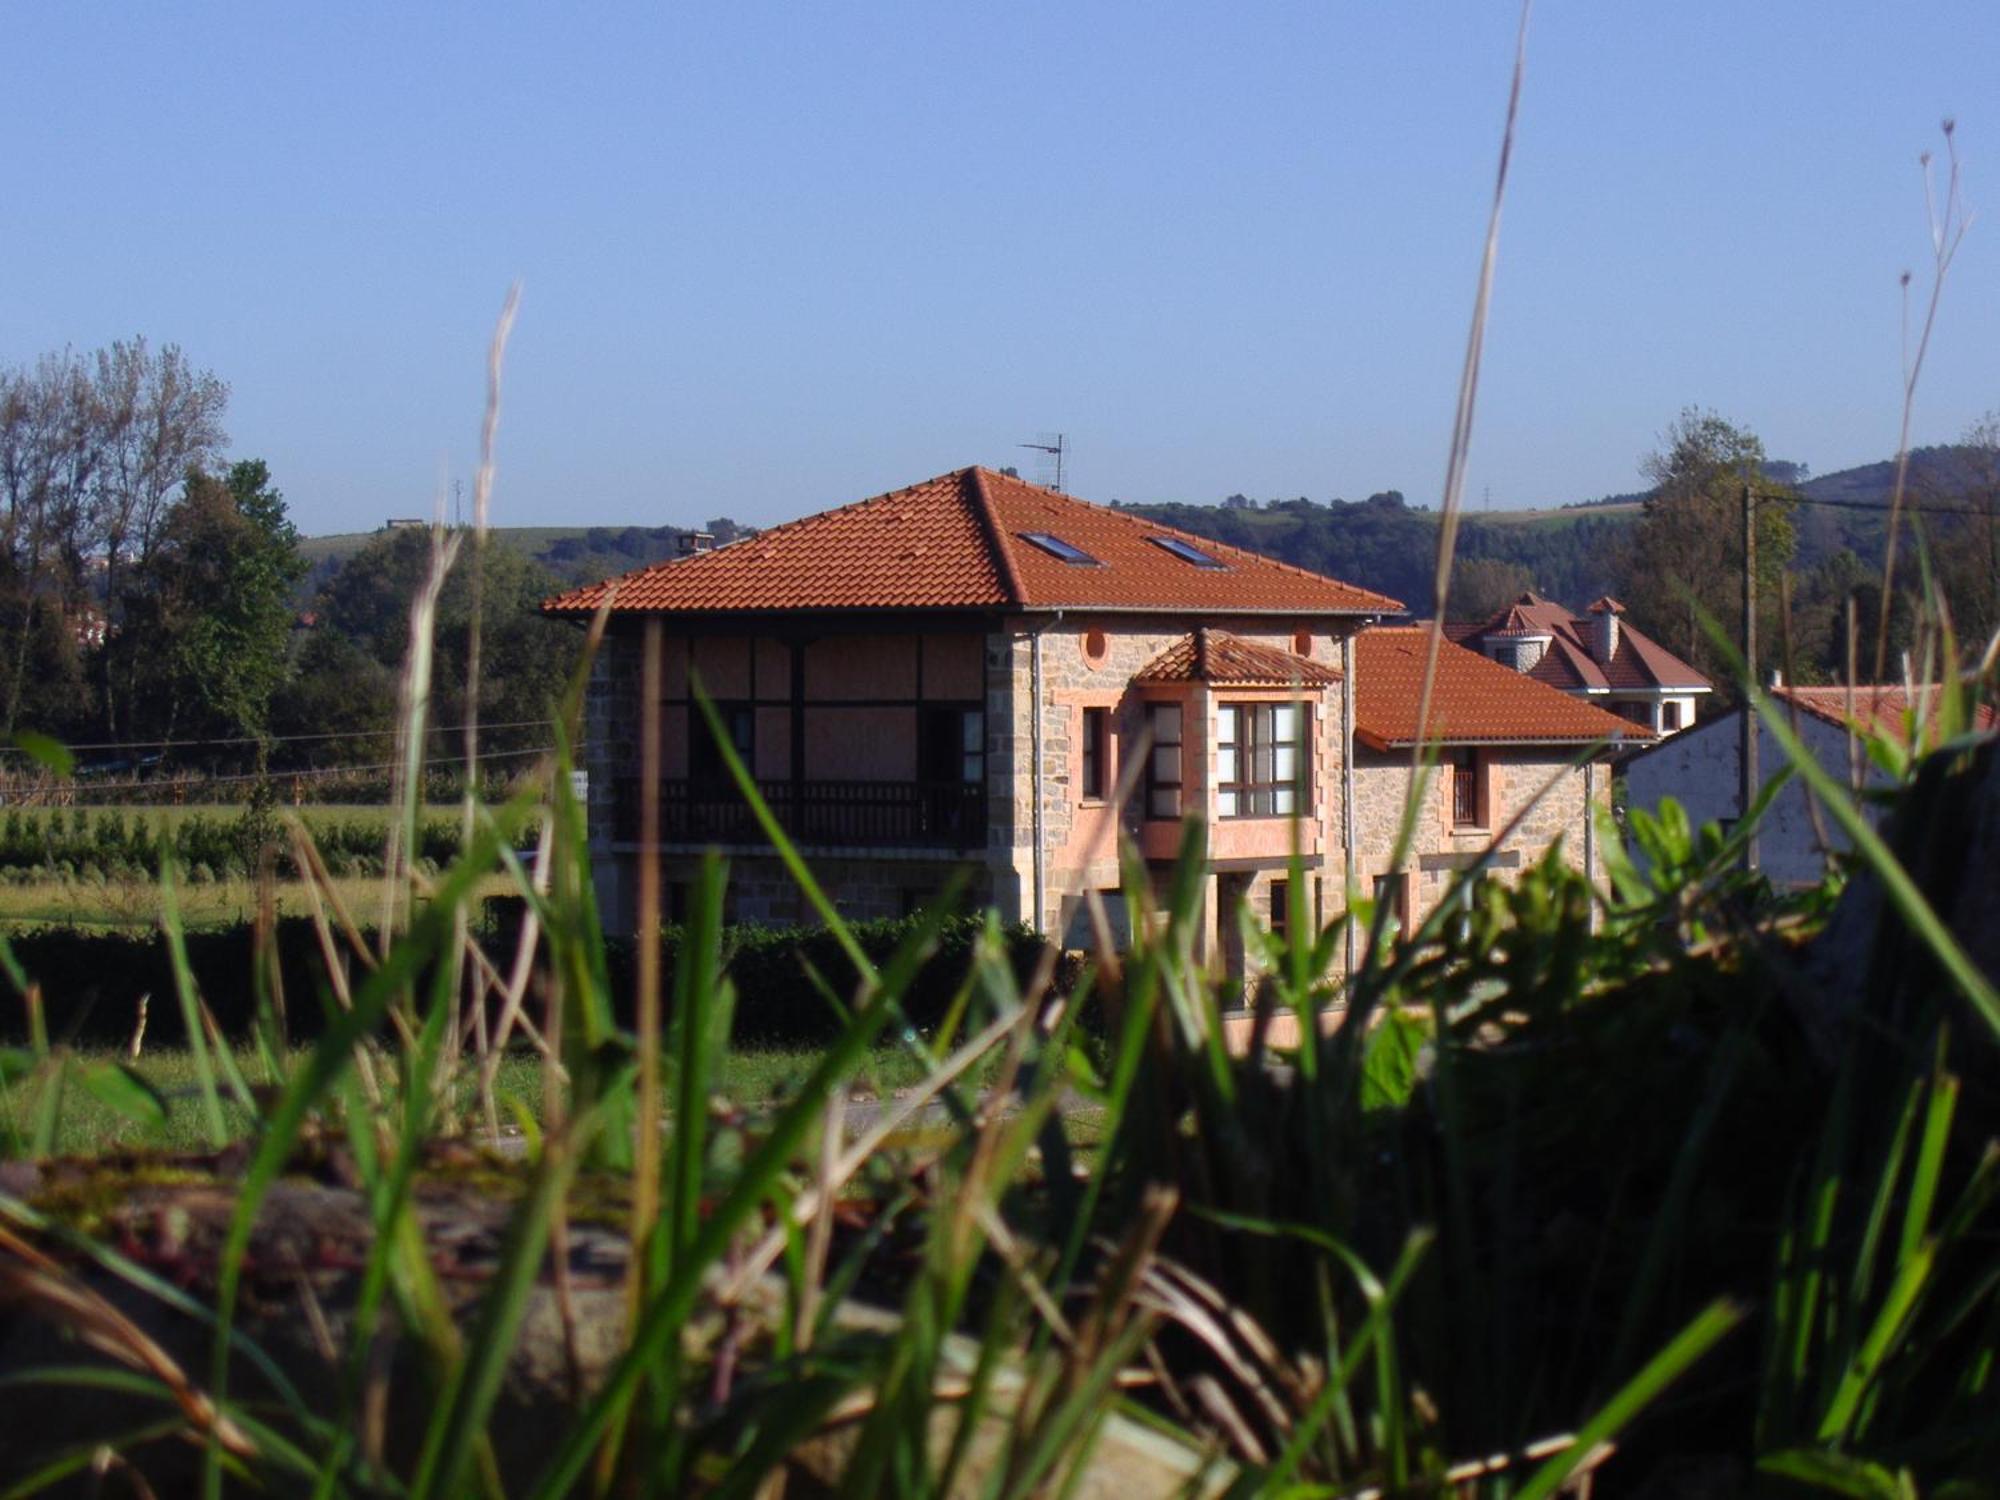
(1604, 629)
(691, 542)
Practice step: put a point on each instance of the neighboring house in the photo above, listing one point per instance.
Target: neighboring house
(1512, 755)
(956, 675)
(1700, 770)
(1595, 655)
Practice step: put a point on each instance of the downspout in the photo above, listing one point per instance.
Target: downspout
(1035, 748)
(1590, 836)
(1347, 787)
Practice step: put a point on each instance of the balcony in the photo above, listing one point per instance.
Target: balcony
(816, 814)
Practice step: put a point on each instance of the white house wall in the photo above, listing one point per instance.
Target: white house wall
(1699, 769)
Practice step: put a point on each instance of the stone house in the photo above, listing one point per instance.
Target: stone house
(1519, 766)
(964, 675)
(1595, 656)
(1700, 770)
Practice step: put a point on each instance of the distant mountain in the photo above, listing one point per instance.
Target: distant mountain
(572, 554)
(1381, 543)
(1940, 471)
(1570, 552)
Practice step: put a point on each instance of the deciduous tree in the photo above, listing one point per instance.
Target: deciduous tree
(1685, 557)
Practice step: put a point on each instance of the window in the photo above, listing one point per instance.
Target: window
(952, 747)
(1260, 759)
(1639, 713)
(1163, 765)
(1467, 801)
(1392, 891)
(1055, 546)
(1189, 552)
(1096, 748)
(1281, 907)
(1670, 714)
(705, 764)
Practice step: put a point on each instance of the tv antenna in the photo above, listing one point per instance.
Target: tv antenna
(1056, 450)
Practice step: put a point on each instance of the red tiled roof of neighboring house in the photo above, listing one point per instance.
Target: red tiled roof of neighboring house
(1885, 710)
(1474, 700)
(960, 541)
(1640, 662)
(1217, 656)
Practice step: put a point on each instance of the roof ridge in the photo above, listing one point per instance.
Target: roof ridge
(761, 533)
(989, 523)
(1193, 538)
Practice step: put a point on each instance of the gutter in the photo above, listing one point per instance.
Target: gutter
(1349, 872)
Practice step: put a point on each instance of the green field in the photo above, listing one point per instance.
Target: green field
(750, 1078)
(221, 903)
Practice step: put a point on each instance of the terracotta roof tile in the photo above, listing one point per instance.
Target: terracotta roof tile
(959, 542)
(1217, 656)
(1877, 710)
(1639, 662)
(1474, 701)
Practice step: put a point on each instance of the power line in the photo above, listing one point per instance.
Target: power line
(282, 739)
(317, 773)
(1910, 508)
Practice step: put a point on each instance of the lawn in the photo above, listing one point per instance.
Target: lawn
(750, 1077)
(109, 903)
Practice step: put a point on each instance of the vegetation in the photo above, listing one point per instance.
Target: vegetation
(1435, 1235)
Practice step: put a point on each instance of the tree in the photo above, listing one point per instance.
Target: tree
(161, 421)
(1684, 559)
(92, 447)
(525, 659)
(1483, 586)
(1968, 554)
(208, 615)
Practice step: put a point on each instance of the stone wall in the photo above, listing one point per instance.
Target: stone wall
(1439, 850)
(1089, 661)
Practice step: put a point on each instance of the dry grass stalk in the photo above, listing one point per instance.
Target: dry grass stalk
(1948, 223)
(1468, 392)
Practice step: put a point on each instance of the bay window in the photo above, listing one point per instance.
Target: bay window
(1261, 758)
(1163, 762)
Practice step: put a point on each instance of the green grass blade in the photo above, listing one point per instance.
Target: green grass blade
(1912, 1281)
(456, 1428)
(1693, 1341)
(197, 1039)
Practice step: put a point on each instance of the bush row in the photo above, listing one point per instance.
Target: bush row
(91, 981)
(111, 843)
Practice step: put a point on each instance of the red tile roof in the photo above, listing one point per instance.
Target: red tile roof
(1217, 656)
(1877, 710)
(959, 542)
(1474, 701)
(1640, 662)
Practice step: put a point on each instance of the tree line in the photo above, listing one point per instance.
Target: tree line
(1675, 558)
(153, 596)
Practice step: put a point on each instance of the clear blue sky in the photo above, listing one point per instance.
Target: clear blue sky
(776, 258)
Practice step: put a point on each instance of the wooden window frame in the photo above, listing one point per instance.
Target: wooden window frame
(1246, 738)
(1163, 790)
(1094, 731)
(1469, 791)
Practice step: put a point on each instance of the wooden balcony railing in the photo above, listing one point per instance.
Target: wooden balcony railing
(860, 814)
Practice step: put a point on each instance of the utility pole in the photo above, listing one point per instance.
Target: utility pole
(1747, 751)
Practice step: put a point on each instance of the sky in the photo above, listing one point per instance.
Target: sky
(775, 258)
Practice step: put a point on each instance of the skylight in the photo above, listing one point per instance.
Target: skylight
(1055, 546)
(1188, 552)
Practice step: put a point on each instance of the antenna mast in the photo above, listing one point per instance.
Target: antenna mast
(1057, 449)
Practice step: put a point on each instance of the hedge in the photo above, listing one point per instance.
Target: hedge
(91, 980)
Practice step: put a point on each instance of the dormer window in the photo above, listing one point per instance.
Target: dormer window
(1189, 552)
(1056, 547)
